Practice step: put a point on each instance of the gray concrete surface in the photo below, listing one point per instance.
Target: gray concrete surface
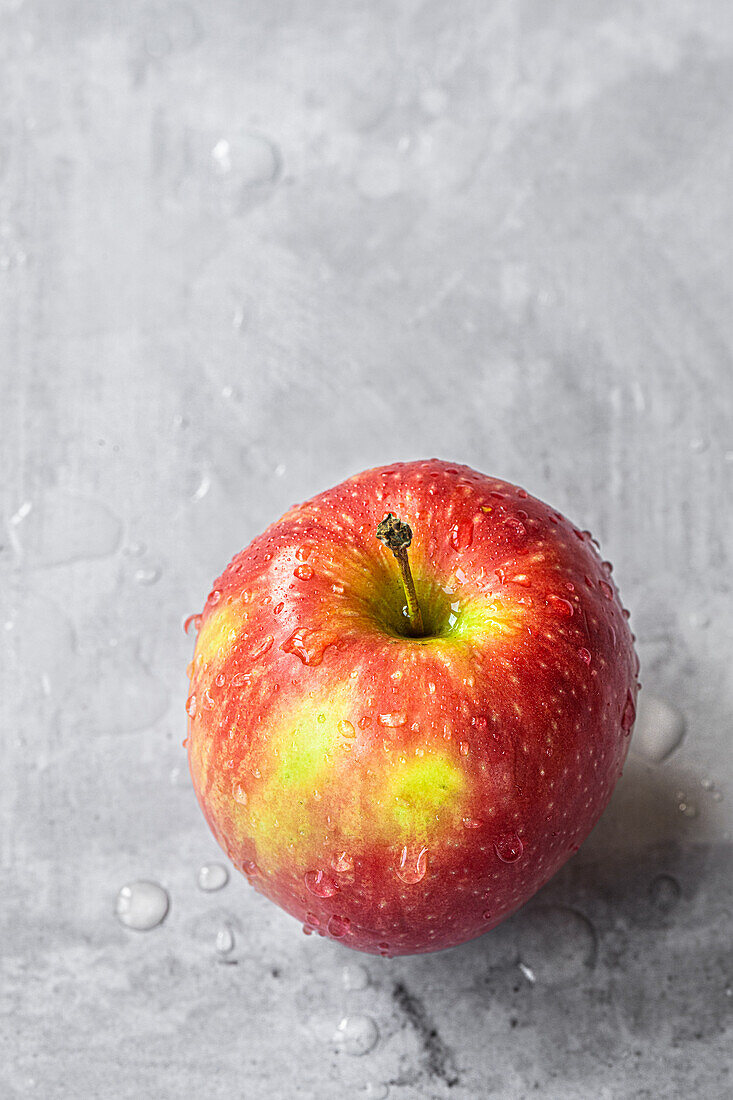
(247, 248)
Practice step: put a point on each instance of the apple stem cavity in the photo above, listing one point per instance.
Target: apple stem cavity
(397, 537)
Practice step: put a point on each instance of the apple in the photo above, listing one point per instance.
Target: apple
(399, 739)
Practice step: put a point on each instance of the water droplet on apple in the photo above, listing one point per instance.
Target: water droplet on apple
(343, 863)
(628, 717)
(606, 589)
(212, 876)
(585, 655)
(308, 645)
(660, 728)
(141, 905)
(346, 729)
(239, 794)
(664, 892)
(515, 529)
(461, 536)
(303, 572)
(509, 848)
(191, 706)
(303, 553)
(471, 823)
(355, 977)
(321, 884)
(560, 606)
(337, 927)
(356, 1035)
(413, 865)
(523, 579)
(220, 680)
(192, 621)
(392, 719)
(261, 649)
(464, 748)
(224, 940)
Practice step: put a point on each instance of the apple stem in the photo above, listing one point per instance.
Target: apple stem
(397, 537)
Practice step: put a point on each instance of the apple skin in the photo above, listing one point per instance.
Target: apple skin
(406, 794)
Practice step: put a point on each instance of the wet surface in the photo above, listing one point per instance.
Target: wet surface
(245, 251)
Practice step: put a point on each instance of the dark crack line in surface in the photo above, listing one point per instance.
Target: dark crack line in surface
(439, 1057)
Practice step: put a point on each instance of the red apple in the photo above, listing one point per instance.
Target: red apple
(396, 788)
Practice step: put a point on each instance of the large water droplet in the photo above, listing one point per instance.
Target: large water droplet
(224, 940)
(392, 719)
(303, 572)
(346, 729)
(262, 648)
(239, 792)
(212, 876)
(461, 535)
(308, 645)
(556, 944)
(660, 728)
(509, 848)
(342, 862)
(413, 864)
(141, 905)
(320, 883)
(628, 715)
(338, 926)
(560, 606)
(356, 1035)
(376, 1090)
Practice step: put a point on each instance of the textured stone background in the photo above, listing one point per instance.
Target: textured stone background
(247, 248)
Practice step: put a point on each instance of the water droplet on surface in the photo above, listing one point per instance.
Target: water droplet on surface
(664, 893)
(660, 728)
(192, 621)
(464, 748)
(141, 905)
(191, 706)
(261, 649)
(557, 944)
(239, 794)
(585, 655)
(355, 977)
(356, 1035)
(338, 926)
(61, 529)
(471, 823)
(528, 972)
(461, 535)
(560, 606)
(147, 576)
(308, 645)
(628, 716)
(687, 808)
(212, 876)
(224, 940)
(343, 863)
(523, 579)
(392, 720)
(606, 589)
(320, 884)
(508, 848)
(346, 729)
(303, 572)
(515, 529)
(376, 1090)
(413, 865)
